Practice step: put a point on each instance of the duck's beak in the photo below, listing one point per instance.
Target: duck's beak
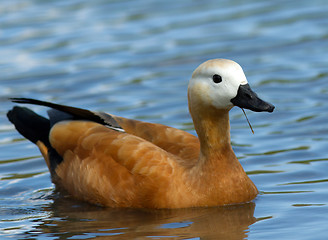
(248, 99)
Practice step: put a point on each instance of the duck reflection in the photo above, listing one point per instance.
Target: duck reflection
(72, 219)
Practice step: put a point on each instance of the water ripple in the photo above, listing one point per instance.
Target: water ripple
(134, 58)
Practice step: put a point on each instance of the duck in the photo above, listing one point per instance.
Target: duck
(112, 161)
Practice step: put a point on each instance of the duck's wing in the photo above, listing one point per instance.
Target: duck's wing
(173, 140)
(111, 168)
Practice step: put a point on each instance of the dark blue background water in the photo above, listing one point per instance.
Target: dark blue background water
(134, 59)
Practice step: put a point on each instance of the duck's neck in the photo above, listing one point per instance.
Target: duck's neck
(218, 169)
(213, 129)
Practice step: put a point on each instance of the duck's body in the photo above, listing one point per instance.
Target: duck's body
(118, 162)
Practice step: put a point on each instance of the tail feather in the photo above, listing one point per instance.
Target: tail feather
(31, 125)
(36, 129)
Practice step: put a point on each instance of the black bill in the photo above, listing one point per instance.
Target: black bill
(248, 99)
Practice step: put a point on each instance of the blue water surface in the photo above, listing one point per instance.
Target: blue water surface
(134, 59)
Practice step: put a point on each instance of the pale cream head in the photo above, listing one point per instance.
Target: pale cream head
(203, 88)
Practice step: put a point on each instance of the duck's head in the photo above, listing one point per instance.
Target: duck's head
(222, 84)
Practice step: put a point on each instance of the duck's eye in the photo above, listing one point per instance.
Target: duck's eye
(217, 78)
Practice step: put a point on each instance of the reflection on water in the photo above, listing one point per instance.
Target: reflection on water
(134, 58)
(70, 219)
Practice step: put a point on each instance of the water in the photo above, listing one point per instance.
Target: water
(134, 59)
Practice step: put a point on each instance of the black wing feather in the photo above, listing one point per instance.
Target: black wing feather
(77, 113)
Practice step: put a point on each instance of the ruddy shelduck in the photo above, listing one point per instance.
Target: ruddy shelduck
(118, 162)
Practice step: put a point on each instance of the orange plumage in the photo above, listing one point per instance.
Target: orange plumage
(145, 164)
